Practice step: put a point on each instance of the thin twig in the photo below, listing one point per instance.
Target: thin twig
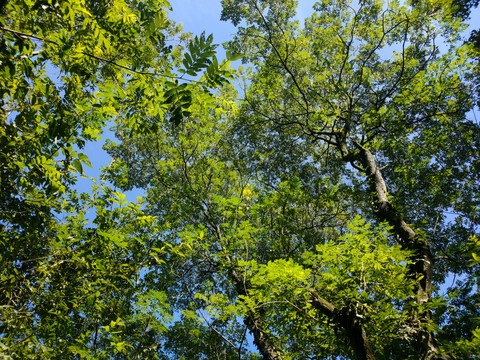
(111, 62)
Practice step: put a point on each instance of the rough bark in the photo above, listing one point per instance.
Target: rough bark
(348, 319)
(422, 267)
(261, 338)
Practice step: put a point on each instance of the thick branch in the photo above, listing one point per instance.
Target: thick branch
(254, 323)
(348, 319)
(422, 267)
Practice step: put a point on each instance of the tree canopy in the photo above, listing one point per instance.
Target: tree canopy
(321, 202)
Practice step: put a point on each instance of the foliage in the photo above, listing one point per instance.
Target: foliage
(76, 300)
(318, 217)
(70, 281)
(463, 9)
(358, 112)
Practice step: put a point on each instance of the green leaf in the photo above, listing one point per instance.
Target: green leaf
(78, 165)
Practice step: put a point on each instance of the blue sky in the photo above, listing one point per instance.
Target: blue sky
(204, 15)
(196, 16)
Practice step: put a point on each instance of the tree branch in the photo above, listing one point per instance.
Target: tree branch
(422, 267)
(111, 62)
(348, 319)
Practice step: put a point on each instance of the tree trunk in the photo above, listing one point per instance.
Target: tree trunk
(422, 266)
(347, 319)
(254, 323)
